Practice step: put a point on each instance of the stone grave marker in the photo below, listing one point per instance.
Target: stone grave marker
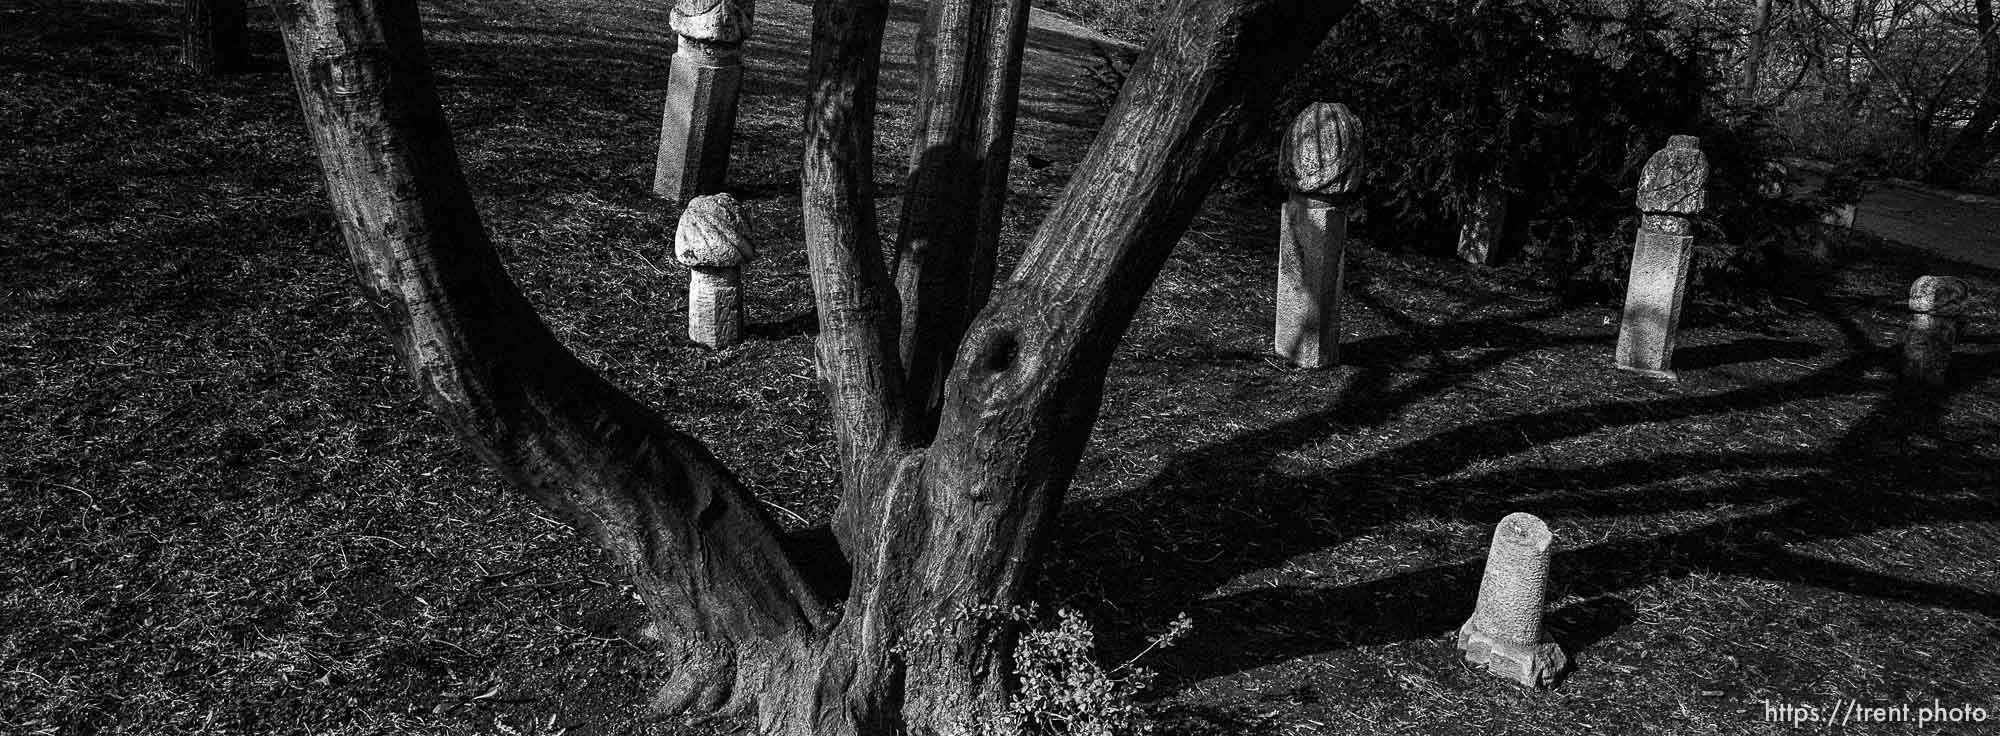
(1936, 304)
(1484, 222)
(1505, 632)
(702, 83)
(710, 241)
(1321, 164)
(1673, 188)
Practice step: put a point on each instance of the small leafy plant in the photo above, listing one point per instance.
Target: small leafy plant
(1064, 691)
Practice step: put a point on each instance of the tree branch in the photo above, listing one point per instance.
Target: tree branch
(856, 345)
(969, 64)
(1902, 87)
(702, 554)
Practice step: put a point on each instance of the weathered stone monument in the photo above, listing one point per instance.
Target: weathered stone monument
(1321, 163)
(1505, 632)
(1484, 221)
(1936, 303)
(1673, 188)
(710, 241)
(702, 82)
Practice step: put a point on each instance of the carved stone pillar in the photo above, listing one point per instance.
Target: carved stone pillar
(1936, 302)
(702, 83)
(1322, 166)
(711, 242)
(1505, 632)
(1673, 188)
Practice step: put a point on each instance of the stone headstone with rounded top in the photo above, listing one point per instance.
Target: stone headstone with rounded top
(1321, 164)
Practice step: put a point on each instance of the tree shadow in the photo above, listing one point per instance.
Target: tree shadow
(1581, 625)
(1748, 350)
(1225, 510)
(804, 323)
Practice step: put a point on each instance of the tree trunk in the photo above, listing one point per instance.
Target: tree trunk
(948, 533)
(857, 305)
(731, 607)
(969, 65)
(1973, 147)
(215, 36)
(1753, 57)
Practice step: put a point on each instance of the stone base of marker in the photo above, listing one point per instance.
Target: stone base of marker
(1537, 665)
(1927, 350)
(1312, 245)
(1655, 289)
(698, 120)
(715, 306)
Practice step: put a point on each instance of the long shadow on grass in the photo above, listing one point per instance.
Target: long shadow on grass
(1742, 351)
(1870, 480)
(1222, 510)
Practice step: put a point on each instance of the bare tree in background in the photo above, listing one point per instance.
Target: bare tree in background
(960, 406)
(1976, 143)
(1927, 69)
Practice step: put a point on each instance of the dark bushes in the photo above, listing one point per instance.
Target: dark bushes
(1560, 106)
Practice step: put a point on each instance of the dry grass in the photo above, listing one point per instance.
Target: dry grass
(229, 513)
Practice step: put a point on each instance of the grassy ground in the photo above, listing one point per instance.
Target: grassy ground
(228, 512)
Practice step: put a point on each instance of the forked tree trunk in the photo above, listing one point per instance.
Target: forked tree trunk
(214, 36)
(941, 532)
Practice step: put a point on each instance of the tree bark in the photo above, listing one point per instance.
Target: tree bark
(214, 36)
(1753, 57)
(856, 302)
(1025, 385)
(969, 66)
(952, 529)
(730, 607)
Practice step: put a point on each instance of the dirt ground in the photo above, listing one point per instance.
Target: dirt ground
(228, 511)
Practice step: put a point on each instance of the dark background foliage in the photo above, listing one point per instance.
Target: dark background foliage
(1560, 106)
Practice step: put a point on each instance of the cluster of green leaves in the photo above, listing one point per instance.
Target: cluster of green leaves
(1560, 106)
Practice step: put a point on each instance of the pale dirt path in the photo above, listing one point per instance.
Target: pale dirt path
(1961, 227)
